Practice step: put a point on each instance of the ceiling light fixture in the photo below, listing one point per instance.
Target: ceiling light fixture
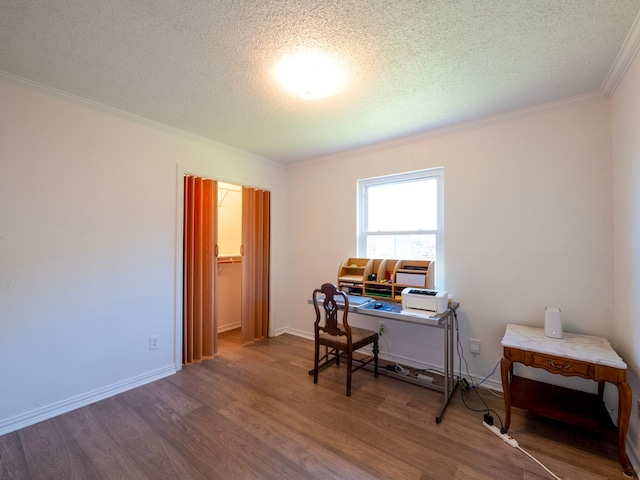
(311, 75)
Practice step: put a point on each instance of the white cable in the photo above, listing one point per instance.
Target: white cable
(512, 441)
(399, 369)
(538, 462)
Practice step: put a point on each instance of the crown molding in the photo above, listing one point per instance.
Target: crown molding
(562, 104)
(623, 60)
(24, 82)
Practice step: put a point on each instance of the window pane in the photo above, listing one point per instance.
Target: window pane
(416, 247)
(386, 211)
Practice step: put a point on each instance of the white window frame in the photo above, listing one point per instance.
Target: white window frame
(437, 173)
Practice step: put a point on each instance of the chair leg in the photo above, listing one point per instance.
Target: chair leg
(375, 358)
(349, 368)
(315, 362)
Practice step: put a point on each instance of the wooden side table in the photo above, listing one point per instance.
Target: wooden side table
(573, 355)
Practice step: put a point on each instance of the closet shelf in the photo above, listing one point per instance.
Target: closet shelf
(223, 259)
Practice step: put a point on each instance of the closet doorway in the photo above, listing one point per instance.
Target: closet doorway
(225, 265)
(229, 258)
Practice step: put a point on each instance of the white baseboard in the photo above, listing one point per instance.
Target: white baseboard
(44, 413)
(293, 331)
(226, 328)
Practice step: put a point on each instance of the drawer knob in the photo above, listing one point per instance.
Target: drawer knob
(566, 366)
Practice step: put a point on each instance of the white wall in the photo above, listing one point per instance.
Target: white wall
(88, 247)
(229, 305)
(527, 224)
(626, 221)
(229, 219)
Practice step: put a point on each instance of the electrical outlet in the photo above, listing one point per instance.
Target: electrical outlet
(381, 327)
(474, 345)
(154, 342)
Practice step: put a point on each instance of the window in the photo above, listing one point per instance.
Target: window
(401, 217)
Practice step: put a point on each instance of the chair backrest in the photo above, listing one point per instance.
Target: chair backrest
(331, 310)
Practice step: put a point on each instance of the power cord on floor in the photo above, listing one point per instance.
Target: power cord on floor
(467, 387)
(539, 463)
(399, 369)
(488, 423)
(414, 373)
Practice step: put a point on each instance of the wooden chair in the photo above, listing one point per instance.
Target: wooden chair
(339, 337)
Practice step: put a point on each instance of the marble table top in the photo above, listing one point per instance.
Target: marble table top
(584, 348)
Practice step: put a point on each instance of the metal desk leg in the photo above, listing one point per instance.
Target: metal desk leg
(449, 378)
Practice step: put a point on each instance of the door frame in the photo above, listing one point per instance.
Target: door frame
(181, 171)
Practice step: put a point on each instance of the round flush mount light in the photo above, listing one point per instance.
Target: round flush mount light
(311, 75)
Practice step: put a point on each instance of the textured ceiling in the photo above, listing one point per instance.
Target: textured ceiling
(206, 66)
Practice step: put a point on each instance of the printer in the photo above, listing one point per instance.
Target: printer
(424, 299)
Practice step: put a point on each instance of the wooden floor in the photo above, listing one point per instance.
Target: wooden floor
(254, 413)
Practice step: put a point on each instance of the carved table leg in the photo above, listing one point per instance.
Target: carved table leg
(505, 370)
(601, 390)
(624, 411)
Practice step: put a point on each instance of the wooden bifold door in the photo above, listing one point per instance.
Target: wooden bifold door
(200, 267)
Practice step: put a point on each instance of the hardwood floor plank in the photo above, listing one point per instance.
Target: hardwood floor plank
(211, 458)
(106, 453)
(155, 457)
(351, 446)
(13, 463)
(164, 390)
(426, 452)
(207, 384)
(466, 472)
(315, 459)
(246, 456)
(53, 454)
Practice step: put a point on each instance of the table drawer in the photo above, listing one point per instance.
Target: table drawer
(563, 366)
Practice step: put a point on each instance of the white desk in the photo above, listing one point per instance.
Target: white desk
(393, 311)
